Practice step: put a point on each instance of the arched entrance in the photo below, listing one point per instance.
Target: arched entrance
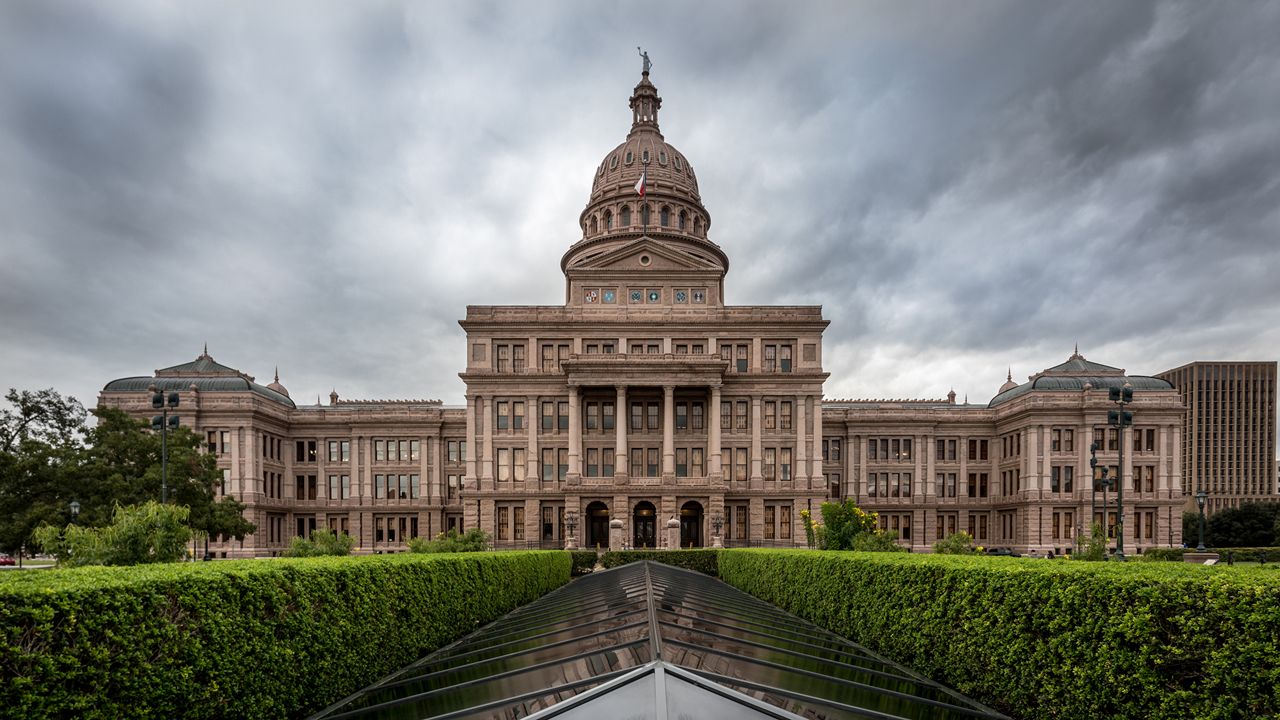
(691, 524)
(645, 522)
(597, 525)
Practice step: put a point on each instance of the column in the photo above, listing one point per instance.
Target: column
(817, 476)
(668, 431)
(473, 403)
(757, 478)
(622, 415)
(486, 463)
(800, 469)
(713, 435)
(575, 436)
(921, 483)
(432, 473)
(533, 416)
(1031, 461)
(1044, 463)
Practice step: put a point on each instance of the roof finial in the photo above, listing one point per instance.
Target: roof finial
(206, 349)
(1009, 377)
(1076, 355)
(277, 373)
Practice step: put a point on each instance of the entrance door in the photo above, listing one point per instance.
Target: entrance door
(597, 525)
(645, 523)
(691, 525)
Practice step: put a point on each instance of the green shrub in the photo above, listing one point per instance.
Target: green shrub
(473, 540)
(1096, 548)
(322, 542)
(584, 561)
(1046, 640)
(841, 523)
(1250, 554)
(702, 560)
(138, 534)
(956, 544)
(242, 638)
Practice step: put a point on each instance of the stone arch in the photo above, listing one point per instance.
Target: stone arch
(597, 525)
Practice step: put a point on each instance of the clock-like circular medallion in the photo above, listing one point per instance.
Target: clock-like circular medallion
(680, 296)
(654, 296)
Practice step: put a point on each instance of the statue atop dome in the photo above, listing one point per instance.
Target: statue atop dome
(645, 59)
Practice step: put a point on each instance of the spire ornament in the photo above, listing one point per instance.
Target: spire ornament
(645, 60)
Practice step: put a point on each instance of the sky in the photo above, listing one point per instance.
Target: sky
(964, 187)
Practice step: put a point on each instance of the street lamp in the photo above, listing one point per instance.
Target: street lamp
(717, 523)
(571, 521)
(75, 511)
(1120, 419)
(1093, 470)
(163, 422)
(1201, 497)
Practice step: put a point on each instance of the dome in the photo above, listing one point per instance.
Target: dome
(1009, 384)
(276, 386)
(670, 203)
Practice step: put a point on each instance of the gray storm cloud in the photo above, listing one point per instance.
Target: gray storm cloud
(326, 186)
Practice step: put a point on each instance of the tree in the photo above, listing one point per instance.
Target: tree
(1096, 550)
(321, 542)
(473, 540)
(138, 534)
(123, 465)
(842, 522)
(956, 544)
(1190, 527)
(1250, 525)
(40, 453)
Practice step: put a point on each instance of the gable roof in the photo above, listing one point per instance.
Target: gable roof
(653, 641)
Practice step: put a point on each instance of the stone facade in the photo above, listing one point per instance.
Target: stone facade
(645, 411)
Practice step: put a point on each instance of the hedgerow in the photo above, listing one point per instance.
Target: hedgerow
(584, 561)
(702, 560)
(1043, 639)
(242, 639)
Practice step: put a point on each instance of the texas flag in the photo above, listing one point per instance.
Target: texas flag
(640, 183)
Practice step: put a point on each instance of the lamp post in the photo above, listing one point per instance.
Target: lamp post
(571, 521)
(75, 511)
(1093, 470)
(1120, 419)
(163, 422)
(1201, 497)
(717, 523)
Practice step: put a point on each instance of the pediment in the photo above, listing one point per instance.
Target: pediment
(648, 254)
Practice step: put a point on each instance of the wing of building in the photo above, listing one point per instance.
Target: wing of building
(645, 411)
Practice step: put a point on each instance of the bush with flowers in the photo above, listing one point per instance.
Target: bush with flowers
(845, 526)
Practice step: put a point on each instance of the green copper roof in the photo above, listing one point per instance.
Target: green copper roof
(1074, 374)
(205, 373)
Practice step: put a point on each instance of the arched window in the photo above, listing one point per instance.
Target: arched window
(608, 219)
(664, 216)
(624, 218)
(614, 162)
(697, 227)
(684, 218)
(595, 225)
(644, 213)
(628, 159)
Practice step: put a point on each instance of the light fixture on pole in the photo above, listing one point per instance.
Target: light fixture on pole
(571, 521)
(75, 511)
(163, 422)
(1120, 419)
(1201, 497)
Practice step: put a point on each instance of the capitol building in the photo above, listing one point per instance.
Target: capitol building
(644, 408)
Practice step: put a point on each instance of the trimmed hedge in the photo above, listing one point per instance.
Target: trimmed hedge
(702, 560)
(242, 639)
(584, 561)
(1162, 555)
(1046, 639)
(1241, 554)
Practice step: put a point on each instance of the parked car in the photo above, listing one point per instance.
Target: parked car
(6, 559)
(1005, 552)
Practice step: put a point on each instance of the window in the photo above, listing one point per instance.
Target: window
(831, 450)
(503, 415)
(682, 416)
(457, 451)
(744, 358)
(785, 416)
(624, 217)
(770, 414)
(548, 415)
(562, 415)
(305, 451)
(777, 358)
(977, 449)
(785, 463)
(651, 467)
(682, 462)
(696, 416)
(769, 464)
(740, 415)
(664, 216)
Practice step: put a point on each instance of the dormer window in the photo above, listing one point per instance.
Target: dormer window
(679, 165)
(629, 158)
(664, 216)
(644, 157)
(662, 157)
(613, 162)
(625, 217)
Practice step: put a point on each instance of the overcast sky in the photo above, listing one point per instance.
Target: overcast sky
(324, 186)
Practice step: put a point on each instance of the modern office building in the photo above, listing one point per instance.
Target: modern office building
(1229, 431)
(647, 410)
